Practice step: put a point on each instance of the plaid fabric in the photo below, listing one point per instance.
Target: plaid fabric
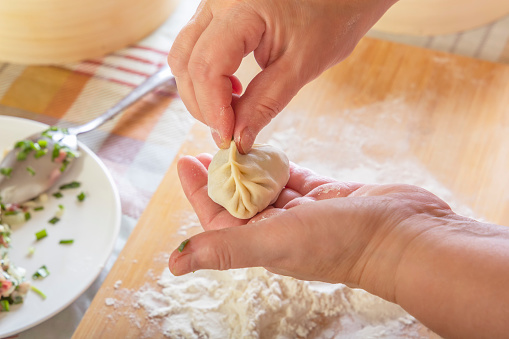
(139, 145)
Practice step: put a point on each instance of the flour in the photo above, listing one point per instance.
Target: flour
(254, 303)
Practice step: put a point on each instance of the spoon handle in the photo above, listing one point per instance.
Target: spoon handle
(161, 76)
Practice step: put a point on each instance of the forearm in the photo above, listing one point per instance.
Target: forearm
(454, 278)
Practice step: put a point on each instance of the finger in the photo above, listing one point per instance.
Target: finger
(334, 190)
(205, 159)
(265, 96)
(303, 180)
(236, 85)
(180, 52)
(286, 195)
(269, 212)
(283, 242)
(193, 177)
(212, 64)
(250, 245)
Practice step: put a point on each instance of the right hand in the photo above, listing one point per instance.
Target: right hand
(293, 42)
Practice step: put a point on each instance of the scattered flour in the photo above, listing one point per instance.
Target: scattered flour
(110, 301)
(253, 303)
(117, 284)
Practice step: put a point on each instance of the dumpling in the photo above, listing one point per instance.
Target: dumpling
(246, 184)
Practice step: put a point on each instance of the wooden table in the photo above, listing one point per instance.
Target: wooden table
(388, 104)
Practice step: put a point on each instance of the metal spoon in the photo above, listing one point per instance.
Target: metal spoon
(49, 154)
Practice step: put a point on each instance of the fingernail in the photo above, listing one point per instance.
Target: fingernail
(220, 141)
(246, 140)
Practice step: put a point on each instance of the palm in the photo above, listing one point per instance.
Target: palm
(303, 186)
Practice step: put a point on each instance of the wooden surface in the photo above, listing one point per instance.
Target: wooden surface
(58, 31)
(432, 17)
(387, 105)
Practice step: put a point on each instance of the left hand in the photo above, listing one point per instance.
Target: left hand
(318, 229)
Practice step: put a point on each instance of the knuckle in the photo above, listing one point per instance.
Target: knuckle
(176, 61)
(223, 255)
(267, 109)
(200, 69)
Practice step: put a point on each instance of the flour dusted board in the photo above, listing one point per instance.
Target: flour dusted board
(445, 113)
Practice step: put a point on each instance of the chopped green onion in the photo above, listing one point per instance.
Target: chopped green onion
(39, 208)
(22, 155)
(58, 195)
(34, 146)
(5, 305)
(66, 241)
(61, 207)
(40, 153)
(23, 144)
(43, 143)
(64, 165)
(31, 171)
(54, 220)
(81, 196)
(56, 152)
(38, 291)
(28, 216)
(182, 245)
(10, 212)
(41, 234)
(42, 272)
(31, 250)
(73, 184)
(6, 171)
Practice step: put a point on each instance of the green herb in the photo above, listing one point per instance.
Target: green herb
(56, 152)
(31, 171)
(66, 241)
(81, 196)
(23, 144)
(41, 273)
(182, 245)
(58, 195)
(34, 146)
(73, 184)
(61, 207)
(6, 171)
(40, 153)
(22, 155)
(10, 212)
(42, 143)
(41, 234)
(54, 220)
(65, 163)
(38, 291)
(5, 305)
(39, 208)
(28, 216)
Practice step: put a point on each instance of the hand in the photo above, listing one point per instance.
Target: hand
(293, 42)
(318, 229)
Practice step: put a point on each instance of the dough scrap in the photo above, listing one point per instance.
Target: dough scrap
(245, 184)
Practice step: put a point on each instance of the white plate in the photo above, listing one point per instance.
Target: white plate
(93, 224)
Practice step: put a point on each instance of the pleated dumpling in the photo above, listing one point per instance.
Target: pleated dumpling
(246, 184)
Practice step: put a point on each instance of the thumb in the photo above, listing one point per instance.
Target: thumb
(266, 95)
(251, 245)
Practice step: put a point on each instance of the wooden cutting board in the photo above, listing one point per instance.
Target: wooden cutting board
(422, 114)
